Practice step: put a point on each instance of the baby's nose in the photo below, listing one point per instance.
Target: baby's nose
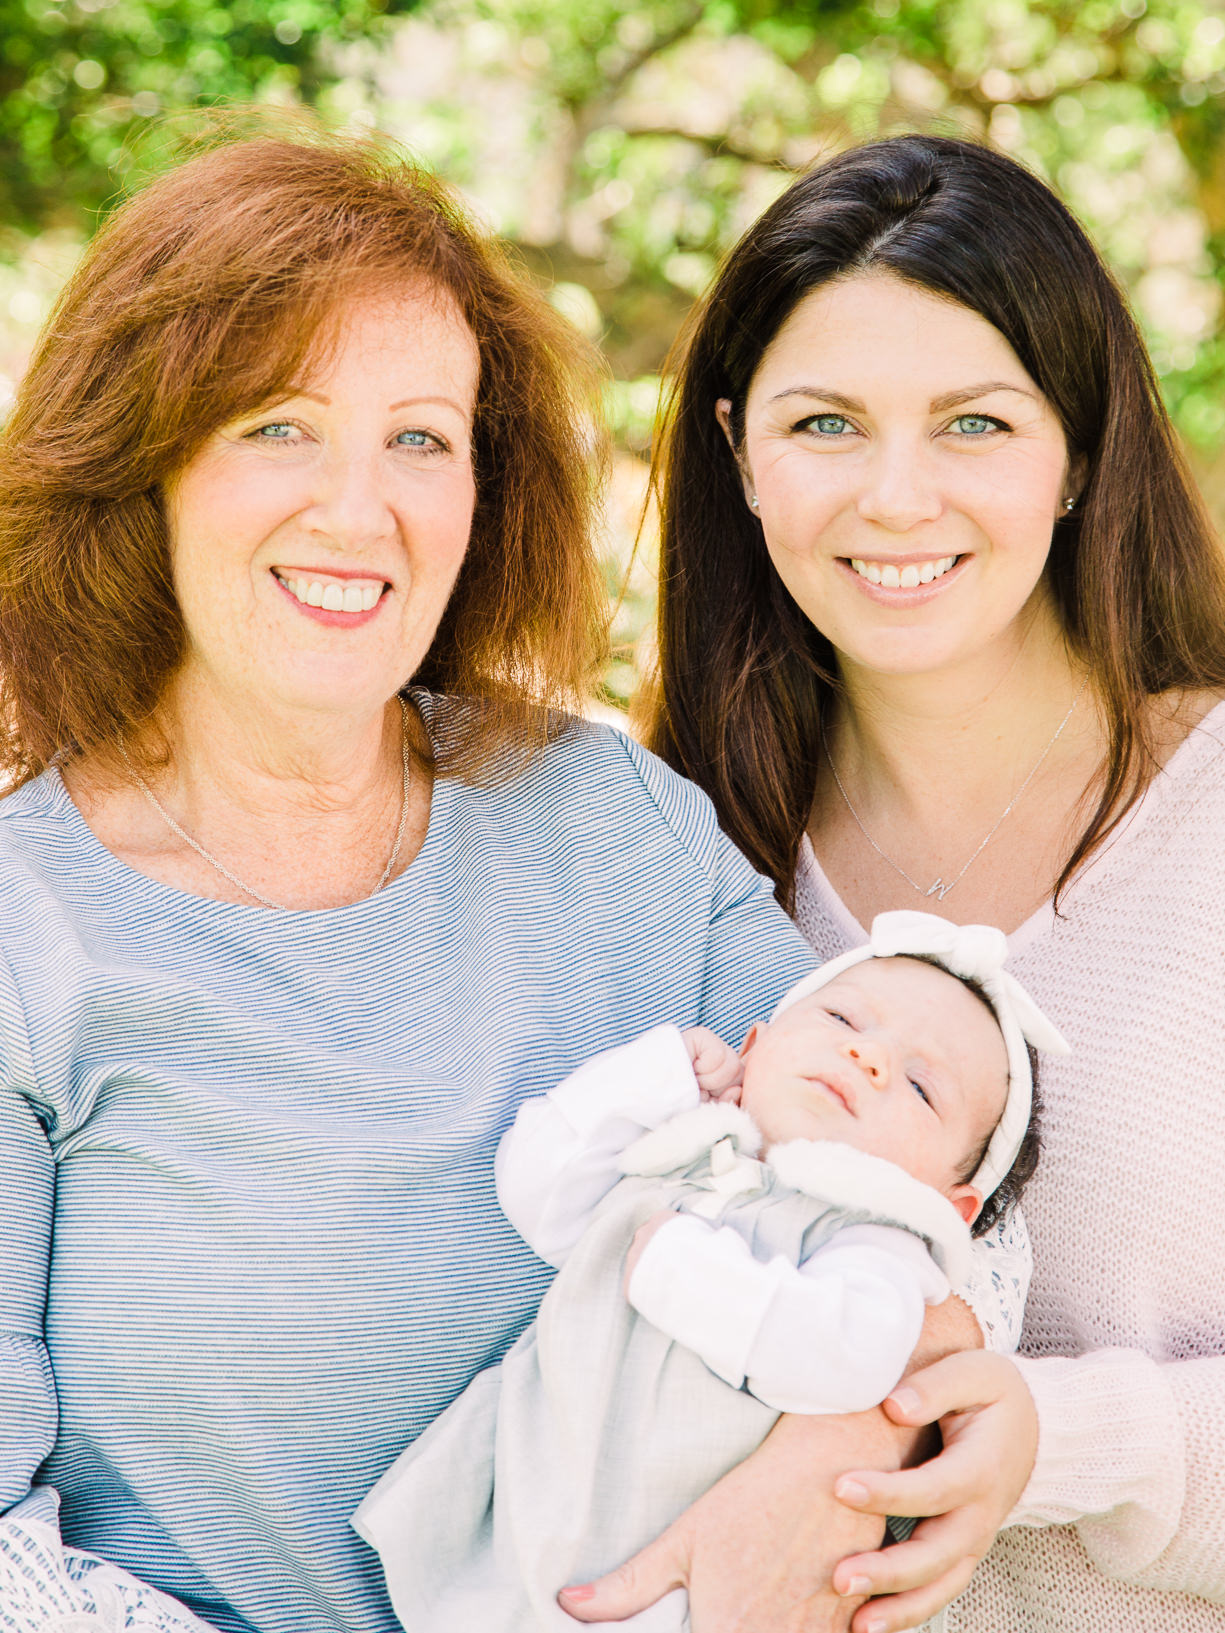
(867, 1058)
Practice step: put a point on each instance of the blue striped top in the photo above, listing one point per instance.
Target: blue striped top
(247, 1191)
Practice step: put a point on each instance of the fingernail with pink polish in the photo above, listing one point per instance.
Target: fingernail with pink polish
(585, 1590)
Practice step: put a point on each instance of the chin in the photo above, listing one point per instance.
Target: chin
(910, 651)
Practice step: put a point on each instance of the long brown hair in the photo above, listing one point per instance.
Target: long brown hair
(1136, 571)
(201, 299)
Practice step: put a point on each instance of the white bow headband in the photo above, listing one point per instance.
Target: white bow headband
(976, 951)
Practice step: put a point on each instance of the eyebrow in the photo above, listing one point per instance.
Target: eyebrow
(406, 402)
(947, 399)
(444, 402)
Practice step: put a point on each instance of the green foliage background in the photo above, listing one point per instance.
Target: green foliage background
(624, 146)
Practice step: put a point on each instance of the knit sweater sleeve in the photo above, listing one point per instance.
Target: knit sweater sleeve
(1132, 1452)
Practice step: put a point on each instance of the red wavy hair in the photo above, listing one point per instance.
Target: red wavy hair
(199, 300)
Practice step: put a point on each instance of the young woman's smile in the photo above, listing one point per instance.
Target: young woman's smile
(907, 472)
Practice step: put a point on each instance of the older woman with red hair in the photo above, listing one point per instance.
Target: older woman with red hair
(307, 881)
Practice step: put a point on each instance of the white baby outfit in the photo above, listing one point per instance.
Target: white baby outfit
(797, 1283)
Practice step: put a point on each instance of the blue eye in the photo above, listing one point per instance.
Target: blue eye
(422, 441)
(829, 425)
(921, 1092)
(977, 425)
(834, 1015)
(277, 431)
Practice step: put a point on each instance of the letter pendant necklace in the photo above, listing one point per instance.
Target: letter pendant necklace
(220, 867)
(938, 887)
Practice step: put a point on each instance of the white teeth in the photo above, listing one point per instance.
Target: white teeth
(333, 597)
(891, 577)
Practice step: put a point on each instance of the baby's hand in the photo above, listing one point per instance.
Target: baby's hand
(642, 1236)
(716, 1065)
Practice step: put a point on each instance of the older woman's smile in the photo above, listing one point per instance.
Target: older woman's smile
(340, 599)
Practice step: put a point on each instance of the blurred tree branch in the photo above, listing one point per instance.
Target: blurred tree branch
(81, 80)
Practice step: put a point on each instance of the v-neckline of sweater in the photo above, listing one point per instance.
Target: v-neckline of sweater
(1042, 917)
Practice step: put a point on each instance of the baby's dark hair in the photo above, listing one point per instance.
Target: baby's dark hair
(1007, 1193)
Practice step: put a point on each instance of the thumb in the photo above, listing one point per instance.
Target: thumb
(957, 1383)
(655, 1570)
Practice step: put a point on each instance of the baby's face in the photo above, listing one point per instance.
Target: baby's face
(894, 1057)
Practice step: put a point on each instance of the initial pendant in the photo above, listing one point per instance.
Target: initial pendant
(938, 889)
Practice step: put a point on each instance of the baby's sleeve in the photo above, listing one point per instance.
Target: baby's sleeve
(831, 1335)
(561, 1155)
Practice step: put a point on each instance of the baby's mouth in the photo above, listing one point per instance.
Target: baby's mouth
(835, 1091)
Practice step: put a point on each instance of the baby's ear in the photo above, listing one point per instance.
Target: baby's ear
(750, 1038)
(967, 1201)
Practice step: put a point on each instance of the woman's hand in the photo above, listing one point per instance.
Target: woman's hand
(757, 1552)
(990, 1428)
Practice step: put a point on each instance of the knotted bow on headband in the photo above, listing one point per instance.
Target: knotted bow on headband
(976, 951)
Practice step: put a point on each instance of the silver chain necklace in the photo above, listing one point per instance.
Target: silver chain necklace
(938, 888)
(247, 890)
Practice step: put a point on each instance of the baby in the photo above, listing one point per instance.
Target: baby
(788, 1211)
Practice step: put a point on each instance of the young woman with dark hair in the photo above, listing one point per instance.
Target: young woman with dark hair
(1135, 578)
(942, 617)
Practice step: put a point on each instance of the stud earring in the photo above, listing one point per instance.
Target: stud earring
(1069, 504)
(754, 503)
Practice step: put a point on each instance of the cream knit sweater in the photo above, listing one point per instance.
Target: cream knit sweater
(1122, 1526)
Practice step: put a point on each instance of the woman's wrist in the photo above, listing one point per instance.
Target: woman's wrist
(948, 1329)
(857, 1440)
